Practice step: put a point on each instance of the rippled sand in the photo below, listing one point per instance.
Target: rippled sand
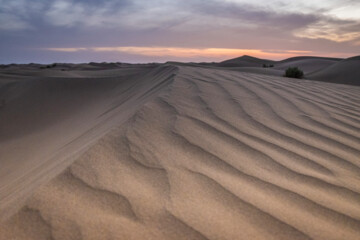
(185, 152)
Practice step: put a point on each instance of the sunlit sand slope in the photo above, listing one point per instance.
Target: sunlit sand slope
(215, 155)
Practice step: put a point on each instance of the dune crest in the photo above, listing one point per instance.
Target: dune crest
(201, 154)
(345, 72)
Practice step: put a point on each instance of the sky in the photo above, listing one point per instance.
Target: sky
(46, 31)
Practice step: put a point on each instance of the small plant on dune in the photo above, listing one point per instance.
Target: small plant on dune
(267, 66)
(294, 72)
(48, 66)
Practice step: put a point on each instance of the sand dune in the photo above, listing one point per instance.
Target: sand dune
(47, 122)
(344, 72)
(180, 152)
(244, 61)
(253, 68)
(316, 68)
(307, 64)
(259, 70)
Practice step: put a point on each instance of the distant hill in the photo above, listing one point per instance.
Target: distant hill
(245, 61)
(292, 59)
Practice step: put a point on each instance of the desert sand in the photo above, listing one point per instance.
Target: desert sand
(176, 151)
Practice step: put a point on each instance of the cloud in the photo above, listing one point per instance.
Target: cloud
(22, 7)
(15, 15)
(66, 49)
(12, 22)
(330, 29)
(242, 15)
(137, 14)
(67, 13)
(255, 14)
(292, 19)
(274, 26)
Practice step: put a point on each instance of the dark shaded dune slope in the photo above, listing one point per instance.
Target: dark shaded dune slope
(307, 64)
(343, 72)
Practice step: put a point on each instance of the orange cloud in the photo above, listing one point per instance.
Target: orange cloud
(66, 49)
(181, 52)
(198, 52)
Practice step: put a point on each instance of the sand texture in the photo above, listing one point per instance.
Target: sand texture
(178, 152)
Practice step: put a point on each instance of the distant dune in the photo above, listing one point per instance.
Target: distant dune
(345, 72)
(244, 61)
(307, 64)
(180, 151)
(334, 70)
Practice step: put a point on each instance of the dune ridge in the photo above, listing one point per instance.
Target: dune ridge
(205, 154)
(48, 122)
(345, 72)
(334, 70)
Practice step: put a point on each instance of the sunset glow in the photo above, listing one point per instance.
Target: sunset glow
(187, 52)
(162, 30)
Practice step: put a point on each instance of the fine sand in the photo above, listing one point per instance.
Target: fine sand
(177, 152)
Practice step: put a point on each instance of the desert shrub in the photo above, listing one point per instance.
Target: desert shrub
(294, 72)
(267, 66)
(48, 66)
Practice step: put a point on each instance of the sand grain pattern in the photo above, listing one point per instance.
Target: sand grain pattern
(203, 154)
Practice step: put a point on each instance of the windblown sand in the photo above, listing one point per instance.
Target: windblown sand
(177, 152)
